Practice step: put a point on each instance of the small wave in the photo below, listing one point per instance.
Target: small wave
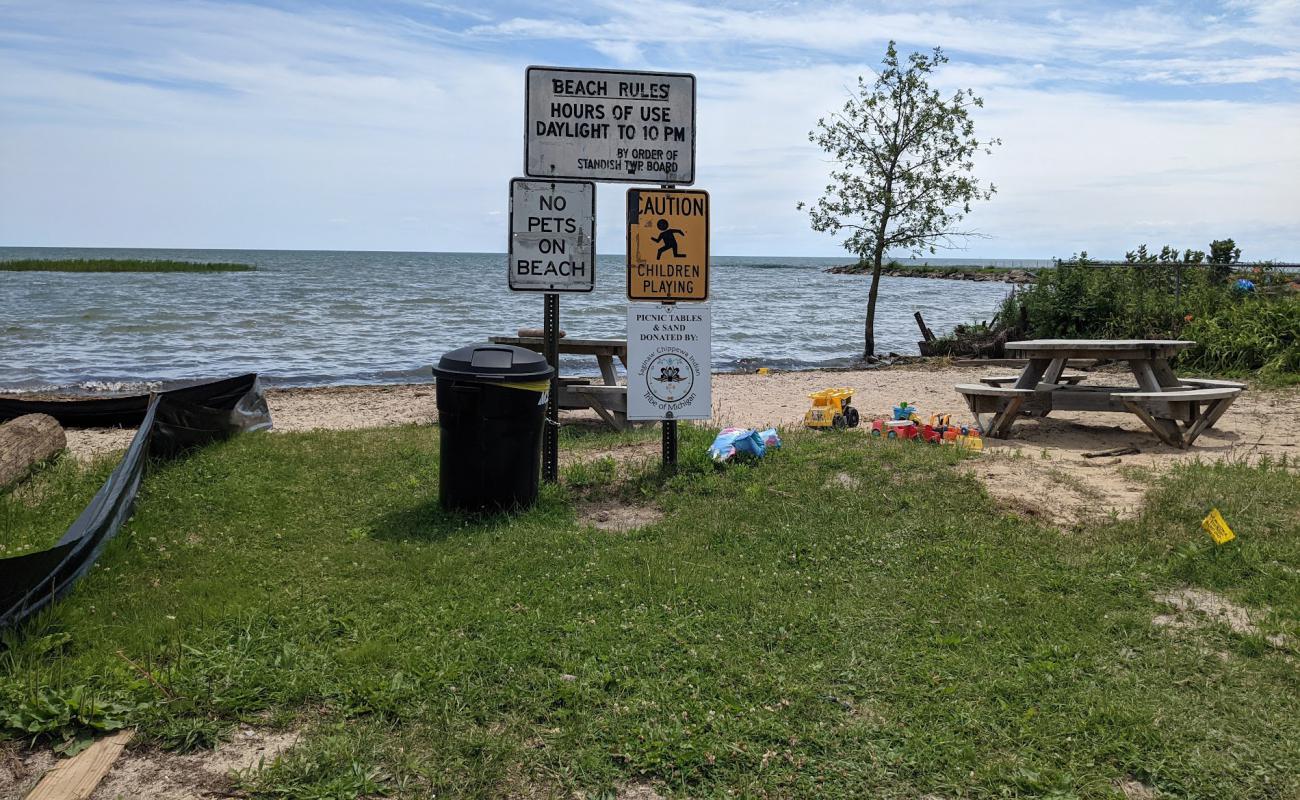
(126, 386)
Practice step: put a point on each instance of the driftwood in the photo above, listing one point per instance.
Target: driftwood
(26, 442)
(926, 334)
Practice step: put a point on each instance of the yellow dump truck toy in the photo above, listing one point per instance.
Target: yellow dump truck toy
(832, 408)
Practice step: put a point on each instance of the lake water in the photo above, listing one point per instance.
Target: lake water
(312, 318)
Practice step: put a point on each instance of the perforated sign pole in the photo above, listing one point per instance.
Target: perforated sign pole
(669, 444)
(551, 434)
(552, 250)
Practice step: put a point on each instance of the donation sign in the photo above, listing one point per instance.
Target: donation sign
(668, 358)
(605, 125)
(552, 236)
(667, 244)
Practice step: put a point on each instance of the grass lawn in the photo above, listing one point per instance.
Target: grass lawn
(847, 618)
(118, 265)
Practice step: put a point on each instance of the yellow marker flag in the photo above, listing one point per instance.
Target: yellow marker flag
(1215, 525)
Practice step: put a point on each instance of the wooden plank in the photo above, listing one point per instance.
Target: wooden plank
(77, 778)
(991, 391)
(572, 347)
(998, 380)
(1181, 395)
(1097, 353)
(1068, 400)
(1073, 363)
(614, 397)
(1039, 345)
(1204, 383)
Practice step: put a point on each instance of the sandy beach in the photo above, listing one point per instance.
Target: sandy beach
(1039, 471)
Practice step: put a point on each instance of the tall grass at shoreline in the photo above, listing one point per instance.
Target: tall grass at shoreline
(118, 265)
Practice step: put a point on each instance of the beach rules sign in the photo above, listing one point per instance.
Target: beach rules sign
(668, 362)
(552, 236)
(606, 125)
(667, 245)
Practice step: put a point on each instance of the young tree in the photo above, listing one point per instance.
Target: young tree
(904, 163)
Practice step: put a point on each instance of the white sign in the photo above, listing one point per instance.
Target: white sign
(606, 125)
(552, 236)
(668, 358)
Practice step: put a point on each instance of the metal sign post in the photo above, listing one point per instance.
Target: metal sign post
(634, 127)
(668, 444)
(669, 449)
(668, 377)
(552, 250)
(551, 434)
(668, 261)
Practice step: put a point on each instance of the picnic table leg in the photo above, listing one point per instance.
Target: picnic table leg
(1001, 425)
(1032, 373)
(1164, 373)
(607, 370)
(1051, 375)
(1206, 419)
(1054, 370)
(1166, 429)
(615, 419)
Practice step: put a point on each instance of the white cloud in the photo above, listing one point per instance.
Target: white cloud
(230, 124)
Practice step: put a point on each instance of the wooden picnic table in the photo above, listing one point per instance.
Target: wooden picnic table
(605, 351)
(1177, 410)
(608, 399)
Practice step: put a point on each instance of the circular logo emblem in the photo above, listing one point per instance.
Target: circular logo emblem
(670, 377)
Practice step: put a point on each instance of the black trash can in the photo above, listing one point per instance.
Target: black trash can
(491, 410)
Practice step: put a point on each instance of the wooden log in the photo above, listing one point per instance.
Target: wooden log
(26, 442)
(926, 333)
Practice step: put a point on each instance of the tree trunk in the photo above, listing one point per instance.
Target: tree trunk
(26, 442)
(869, 348)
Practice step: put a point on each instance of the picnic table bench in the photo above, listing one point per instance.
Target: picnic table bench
(608, 399)
(1177, 410)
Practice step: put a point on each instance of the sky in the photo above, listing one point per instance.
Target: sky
(397, 124)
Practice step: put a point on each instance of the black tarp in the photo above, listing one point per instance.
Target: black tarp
(170, 423)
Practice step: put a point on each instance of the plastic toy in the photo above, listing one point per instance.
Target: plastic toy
(903, 411)
(939, 430)
(832, 408)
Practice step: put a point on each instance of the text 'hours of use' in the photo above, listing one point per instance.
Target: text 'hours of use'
(612, 126)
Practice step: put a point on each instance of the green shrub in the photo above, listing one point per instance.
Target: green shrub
(1255, 333)
(1235, 331)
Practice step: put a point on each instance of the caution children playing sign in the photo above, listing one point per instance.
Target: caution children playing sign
(667, 244)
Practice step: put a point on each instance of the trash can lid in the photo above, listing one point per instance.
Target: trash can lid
(493, 362)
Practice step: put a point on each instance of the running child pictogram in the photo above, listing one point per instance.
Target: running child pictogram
(668, 237)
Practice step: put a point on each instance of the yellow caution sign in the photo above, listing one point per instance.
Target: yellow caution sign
(1215, 525)
(667, 244)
